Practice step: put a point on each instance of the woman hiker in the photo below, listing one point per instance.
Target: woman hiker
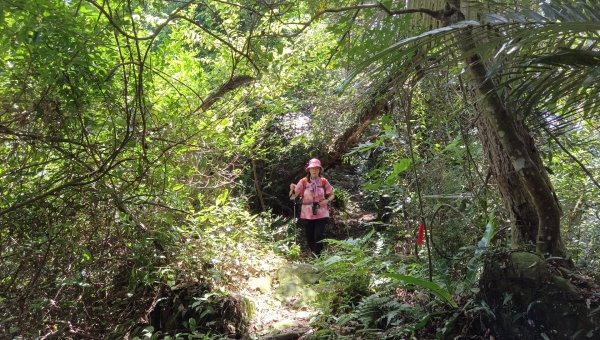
(315, 193)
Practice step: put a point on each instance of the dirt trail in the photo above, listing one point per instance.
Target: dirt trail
(284, 292)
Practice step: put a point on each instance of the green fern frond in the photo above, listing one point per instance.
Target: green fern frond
(379, 311)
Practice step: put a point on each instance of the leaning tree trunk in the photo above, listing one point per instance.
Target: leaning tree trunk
(504, 137)
(517, 200)
(521, 283)
(525, 164)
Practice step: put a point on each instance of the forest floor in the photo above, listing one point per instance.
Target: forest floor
(282, 298)
(285, 292)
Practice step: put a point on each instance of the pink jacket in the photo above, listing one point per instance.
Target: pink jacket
(313, 192)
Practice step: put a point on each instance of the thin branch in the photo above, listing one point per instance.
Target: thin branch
(212, 34)
(28, 136)
(434, 14)
(407, 115)
(439, 14)
(347, 33)
(83, 180)
(154, 34)
(581, 165)
(464, 132)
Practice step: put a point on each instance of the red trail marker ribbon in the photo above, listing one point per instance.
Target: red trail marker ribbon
(421, 234)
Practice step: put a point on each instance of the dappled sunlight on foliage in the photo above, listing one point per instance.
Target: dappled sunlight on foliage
(147, 150)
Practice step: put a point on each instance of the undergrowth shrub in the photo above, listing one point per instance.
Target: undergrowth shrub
(285, 237)
(368, 291)
(88, 259)
(342, 198)
(346, 276)
(381, 311)
(220, 245)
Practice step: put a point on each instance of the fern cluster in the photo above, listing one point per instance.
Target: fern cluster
(381, 311)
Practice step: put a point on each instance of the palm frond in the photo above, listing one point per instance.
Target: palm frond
(399, 52)
(552, 62)
(549, 58)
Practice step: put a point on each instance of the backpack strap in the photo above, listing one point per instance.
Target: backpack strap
(324, 184)
(305, 183)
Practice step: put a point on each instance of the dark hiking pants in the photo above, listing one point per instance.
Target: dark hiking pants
(314, 231)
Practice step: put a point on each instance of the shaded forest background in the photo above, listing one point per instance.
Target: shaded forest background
(147, 148)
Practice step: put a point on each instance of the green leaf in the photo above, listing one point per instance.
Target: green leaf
(177, 187)
(332, 260)
(86, 255)
(422, 323)
(222, 198)
(431, 286)
(399, 167)
(363, 147)
(192, 324)
(401, 45)
(487, 237)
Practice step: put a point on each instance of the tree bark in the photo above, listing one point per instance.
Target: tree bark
(230, 85)
(516, 199)
(526, 171)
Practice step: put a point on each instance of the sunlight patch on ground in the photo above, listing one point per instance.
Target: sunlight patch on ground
(275, 314)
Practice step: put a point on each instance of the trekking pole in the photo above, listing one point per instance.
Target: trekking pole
(293, 202)
(294, 221)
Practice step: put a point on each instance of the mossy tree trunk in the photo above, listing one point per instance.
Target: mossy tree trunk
(522, 283)
(520, 210)
(523, 182)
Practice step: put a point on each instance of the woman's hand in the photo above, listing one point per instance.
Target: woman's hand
(292, 193)
(326, 201)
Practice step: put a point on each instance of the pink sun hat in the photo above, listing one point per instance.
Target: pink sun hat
(313, 163)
